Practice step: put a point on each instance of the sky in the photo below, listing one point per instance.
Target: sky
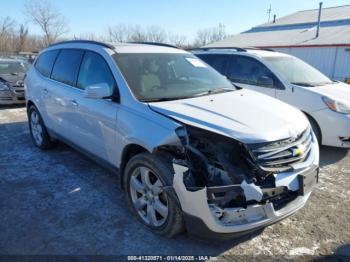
(177, 16)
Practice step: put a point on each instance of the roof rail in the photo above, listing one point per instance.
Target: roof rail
(84, 42)
(238, 49)
(260, 48)
(154, 43)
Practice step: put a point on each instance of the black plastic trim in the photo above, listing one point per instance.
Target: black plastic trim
(84, 42)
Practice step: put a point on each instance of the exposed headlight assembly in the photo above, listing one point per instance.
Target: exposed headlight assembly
(336, 106)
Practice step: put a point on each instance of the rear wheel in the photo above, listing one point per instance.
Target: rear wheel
(146, 175)
(38, 130)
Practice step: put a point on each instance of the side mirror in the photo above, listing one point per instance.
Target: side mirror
(97, 91)
(265, 81)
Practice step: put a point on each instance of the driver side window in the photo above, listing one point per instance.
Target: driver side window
(94, 70)
(249, 71)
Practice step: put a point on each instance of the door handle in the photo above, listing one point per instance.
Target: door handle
(74, 103)
(44, 91)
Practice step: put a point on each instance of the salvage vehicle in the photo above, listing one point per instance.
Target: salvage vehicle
(12, 72)
(326, 103)
(190, 148)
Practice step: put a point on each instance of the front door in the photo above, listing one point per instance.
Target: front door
(96, 118)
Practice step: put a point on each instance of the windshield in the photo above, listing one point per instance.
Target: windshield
(157, 77)
(13, 67)
(297, 72)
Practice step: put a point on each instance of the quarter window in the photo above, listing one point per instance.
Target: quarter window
(66, 66)
(94, 70)
(45, 62)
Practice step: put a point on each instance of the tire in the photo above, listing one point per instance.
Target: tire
(150, 195)
(38, 130)
(316, 130)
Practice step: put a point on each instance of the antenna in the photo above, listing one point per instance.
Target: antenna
(269, 13)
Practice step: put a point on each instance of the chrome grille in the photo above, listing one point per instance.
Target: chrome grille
(279, 156)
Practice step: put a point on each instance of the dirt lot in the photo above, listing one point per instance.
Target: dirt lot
(58, 202)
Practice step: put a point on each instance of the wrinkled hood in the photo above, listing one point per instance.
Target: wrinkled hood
(338, 91)
(245, 115)
(12, 78)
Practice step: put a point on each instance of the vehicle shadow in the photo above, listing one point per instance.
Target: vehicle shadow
(342, 253)
(3, 107)
(331, 155)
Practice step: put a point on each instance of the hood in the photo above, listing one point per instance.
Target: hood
(12, 78)
(245, 115)
(338, 91)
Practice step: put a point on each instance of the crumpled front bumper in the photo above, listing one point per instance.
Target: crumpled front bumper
(235, 221)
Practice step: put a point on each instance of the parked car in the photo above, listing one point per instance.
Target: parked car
(188, 146)
(12, 72)
(325, 102)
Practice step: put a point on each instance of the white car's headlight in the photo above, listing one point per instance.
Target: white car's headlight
(337, 106)
(3, 87)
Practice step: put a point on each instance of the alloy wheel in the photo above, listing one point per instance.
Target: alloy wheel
(36, 128)
(148, 197)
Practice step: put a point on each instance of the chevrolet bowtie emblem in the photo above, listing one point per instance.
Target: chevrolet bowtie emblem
(299, 150)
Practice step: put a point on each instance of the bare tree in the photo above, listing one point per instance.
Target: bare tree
(177, 40)
(210, 35)
(7, 26)
(22, 38)
(138, 34)
(156, 34)
(120, 33)
(48, 18)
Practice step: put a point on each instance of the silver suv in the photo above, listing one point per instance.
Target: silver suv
(189, 147)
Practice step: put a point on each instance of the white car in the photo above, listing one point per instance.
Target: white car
(189, 147)
(287, 78)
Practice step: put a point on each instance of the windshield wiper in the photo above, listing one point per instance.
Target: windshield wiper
(162, 99)
(215, 91)
(209, 92)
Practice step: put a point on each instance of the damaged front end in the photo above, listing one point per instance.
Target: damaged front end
(232, 187)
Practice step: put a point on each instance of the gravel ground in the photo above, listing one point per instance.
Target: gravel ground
(58, 202)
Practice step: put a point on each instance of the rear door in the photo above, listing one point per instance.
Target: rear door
(247, 72)
(43, 87)
(63, 92)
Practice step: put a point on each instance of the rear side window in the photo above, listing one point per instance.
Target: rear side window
(94, 70)
(45, 62)
(66, 66)
(219, 62)
(247, 70)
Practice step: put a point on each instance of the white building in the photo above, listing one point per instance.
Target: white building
(296, 34)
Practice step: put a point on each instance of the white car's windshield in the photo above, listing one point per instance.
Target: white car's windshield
(297, 72)
(13, 67)
(160, 77)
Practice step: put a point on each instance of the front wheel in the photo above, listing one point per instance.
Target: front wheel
(316, 130)
(146, 176)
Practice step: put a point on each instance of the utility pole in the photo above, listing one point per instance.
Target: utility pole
(269, 13)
